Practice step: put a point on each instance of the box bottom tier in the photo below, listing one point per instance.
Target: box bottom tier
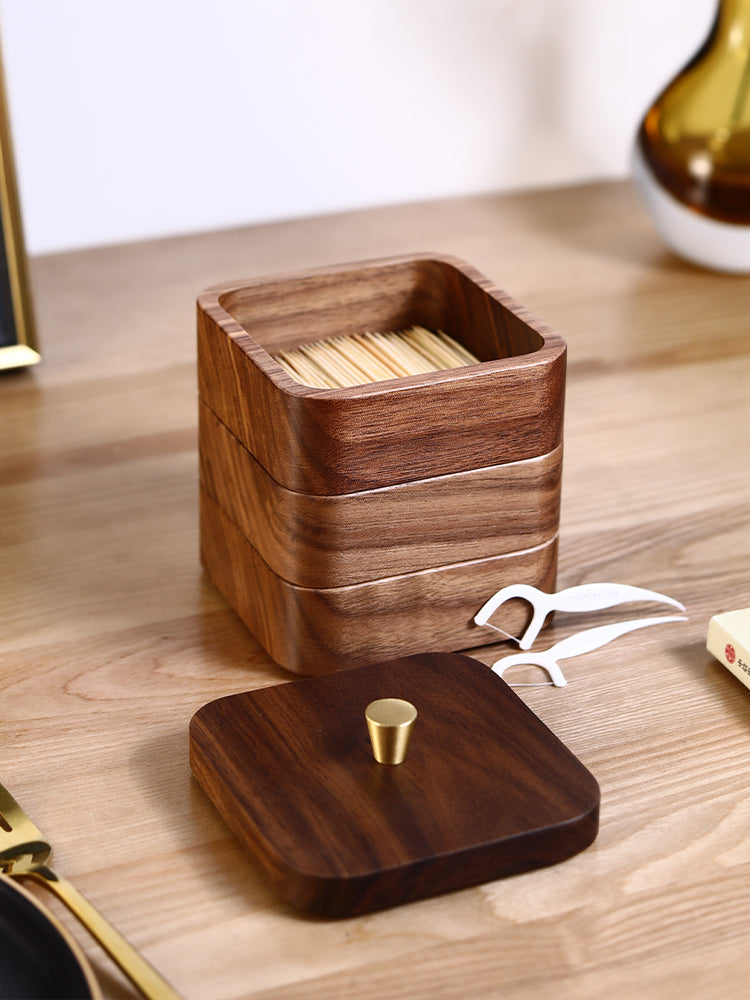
(317, 631)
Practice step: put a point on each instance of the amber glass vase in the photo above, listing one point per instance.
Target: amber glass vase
(692, 151)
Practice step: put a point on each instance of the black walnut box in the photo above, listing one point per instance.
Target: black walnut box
(348, 526)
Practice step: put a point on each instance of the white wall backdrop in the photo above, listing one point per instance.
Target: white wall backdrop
(153, 117)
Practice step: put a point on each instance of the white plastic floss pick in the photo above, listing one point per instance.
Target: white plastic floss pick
(574, 645)
(586, 597)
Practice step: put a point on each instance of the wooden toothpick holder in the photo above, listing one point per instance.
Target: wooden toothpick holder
(349, 526)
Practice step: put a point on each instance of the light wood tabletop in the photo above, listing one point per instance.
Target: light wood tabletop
(112, 637)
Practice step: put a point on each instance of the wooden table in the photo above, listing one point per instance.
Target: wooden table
(112, 637)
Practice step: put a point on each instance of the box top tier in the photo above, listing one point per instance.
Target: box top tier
(507, 408)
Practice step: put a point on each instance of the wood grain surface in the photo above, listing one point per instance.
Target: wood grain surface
(485, 791)
(334, 541)
(334, 441)
(111, 637)
(312, 630)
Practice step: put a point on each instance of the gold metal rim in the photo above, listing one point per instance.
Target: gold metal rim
(75, 948)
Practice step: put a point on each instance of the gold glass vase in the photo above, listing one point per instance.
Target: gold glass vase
(692, 150)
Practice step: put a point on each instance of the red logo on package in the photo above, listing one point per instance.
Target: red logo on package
(729, 652)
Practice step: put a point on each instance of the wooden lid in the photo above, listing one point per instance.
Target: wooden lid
(485, 791)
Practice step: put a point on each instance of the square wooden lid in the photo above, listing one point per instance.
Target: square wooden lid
(486, 790)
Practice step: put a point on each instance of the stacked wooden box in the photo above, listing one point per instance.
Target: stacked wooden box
(353, 525)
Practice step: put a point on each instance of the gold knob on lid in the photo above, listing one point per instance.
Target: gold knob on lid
(390, 722)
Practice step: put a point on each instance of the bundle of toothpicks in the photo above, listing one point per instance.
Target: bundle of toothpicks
(358, 358)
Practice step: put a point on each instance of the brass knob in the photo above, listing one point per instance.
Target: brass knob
(390, 722)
